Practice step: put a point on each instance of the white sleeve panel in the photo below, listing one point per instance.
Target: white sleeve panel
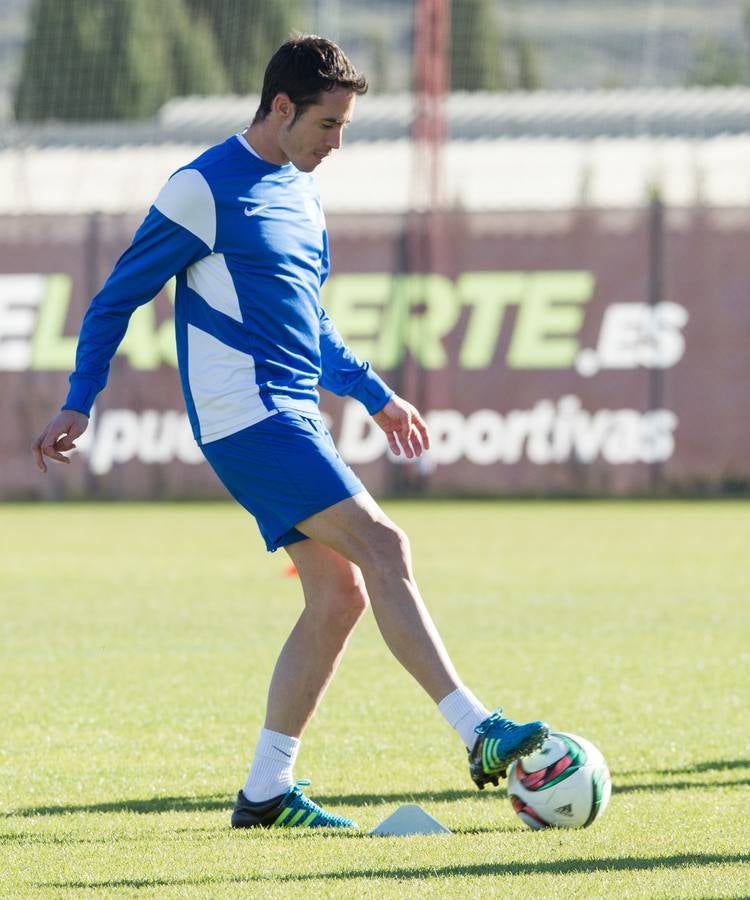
(211, 278)
(187, 200)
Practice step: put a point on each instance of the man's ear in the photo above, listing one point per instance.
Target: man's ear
(283, 107)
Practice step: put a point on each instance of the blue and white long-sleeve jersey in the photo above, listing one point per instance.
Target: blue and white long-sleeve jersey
(248, 245)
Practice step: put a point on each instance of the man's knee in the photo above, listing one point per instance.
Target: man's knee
(351, 601)
(341, 604)
(389, 546)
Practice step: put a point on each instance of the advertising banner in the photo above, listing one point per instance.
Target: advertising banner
(580, 352)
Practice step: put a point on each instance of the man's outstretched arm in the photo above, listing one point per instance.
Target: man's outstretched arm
(161, 247)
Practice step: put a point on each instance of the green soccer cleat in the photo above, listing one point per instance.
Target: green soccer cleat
(499, 742)
(290, 810)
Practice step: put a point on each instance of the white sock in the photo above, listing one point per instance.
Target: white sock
(463, 712)
(271, 771)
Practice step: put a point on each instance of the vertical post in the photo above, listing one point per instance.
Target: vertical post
(431, 35)
(92, 255)
(423, 226)
(92, 262)
(655, 295)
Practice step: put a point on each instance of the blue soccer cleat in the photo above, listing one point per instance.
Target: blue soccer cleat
(290, 810)
(499, 742)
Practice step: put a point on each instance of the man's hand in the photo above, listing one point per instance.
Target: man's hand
(59, 436)
(404, 427)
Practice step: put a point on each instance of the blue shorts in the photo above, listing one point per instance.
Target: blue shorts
(282, 470)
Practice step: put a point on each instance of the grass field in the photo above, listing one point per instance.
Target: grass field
(137, 642)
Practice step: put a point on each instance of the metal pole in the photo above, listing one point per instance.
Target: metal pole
(423, 222)
(655, 295)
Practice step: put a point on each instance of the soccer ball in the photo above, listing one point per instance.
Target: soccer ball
(565, 784)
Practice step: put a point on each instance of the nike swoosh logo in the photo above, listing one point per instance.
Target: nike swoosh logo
(254, 210)
(274, 745)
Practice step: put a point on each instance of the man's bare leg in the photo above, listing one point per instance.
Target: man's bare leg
(335, 598)
(360, 531)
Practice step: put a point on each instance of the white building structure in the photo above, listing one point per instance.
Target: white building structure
(544, 150)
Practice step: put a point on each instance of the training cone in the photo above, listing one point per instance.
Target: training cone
(410, 819)
(291, 571)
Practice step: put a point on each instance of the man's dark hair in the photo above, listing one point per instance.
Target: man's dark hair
(302, 68)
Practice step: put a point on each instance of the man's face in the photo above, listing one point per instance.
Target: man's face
(319, 129)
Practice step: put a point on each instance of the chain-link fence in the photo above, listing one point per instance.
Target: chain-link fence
(99, 60)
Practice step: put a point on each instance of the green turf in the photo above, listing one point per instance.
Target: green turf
(136, 642)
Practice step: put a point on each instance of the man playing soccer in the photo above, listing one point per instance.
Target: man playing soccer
(241, 228)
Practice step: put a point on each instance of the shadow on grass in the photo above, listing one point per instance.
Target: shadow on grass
(218, 801)
(491, 869)
(714, 765)
(150, 805)
(448, 796)
(649, 786)
(213, 802)
(701, 768)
